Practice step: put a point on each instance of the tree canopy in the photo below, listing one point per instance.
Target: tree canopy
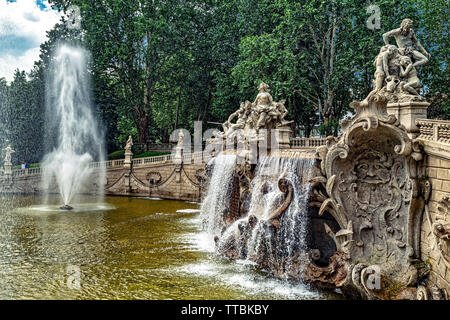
(161, 65)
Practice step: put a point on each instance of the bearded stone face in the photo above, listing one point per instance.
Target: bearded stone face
(371, 169)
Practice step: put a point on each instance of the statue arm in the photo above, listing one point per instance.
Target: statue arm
(418, 44)
(232, 116)
(389, 34)
(386, 64)
(404, 72)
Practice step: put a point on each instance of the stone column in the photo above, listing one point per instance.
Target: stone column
(128, 164)
(178, 161)
(407, 113)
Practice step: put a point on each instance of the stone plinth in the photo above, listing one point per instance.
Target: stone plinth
(407, 113)
(284, 135)
(8, 169)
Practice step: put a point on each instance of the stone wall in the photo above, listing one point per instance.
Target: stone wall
(435, 249)
(166, 181)
(159, 177)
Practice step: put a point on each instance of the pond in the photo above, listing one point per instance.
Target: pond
(127, 248)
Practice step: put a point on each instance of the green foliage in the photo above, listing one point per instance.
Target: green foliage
(150, 154)
(161, 65)
(119, 154)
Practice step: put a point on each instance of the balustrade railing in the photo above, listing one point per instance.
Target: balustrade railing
(434, 130)
(112, 164)
(307, 143)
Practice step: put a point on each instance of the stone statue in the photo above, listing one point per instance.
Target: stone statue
(410, 73)
(396, 75)
(8, 152)
(243, 114)
(262, 113)
(180, 139)
(406, 40)
(129, 145)
(263, 104)
(382, 67)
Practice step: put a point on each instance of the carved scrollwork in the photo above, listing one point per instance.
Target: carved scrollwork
(440, 227)
(422, 293)
(286, 187)
(154, 178)
(200, 176)
(367, 182)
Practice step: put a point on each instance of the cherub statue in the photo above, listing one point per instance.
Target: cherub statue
(406, 41)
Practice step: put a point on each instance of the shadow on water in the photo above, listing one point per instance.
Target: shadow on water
(128, 248)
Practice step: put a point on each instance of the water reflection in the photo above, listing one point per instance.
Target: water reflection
(134, 249)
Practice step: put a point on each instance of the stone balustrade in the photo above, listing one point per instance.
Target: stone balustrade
(116, 164)
(434, 130)
(307, 143)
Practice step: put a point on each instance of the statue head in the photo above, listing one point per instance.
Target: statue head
(405, 61)
(263, 87)
(406, 25)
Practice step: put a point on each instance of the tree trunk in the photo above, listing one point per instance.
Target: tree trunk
(208, 103)
(142, 128)
(178, 110)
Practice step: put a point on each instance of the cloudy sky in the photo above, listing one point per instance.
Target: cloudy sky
(23, 26)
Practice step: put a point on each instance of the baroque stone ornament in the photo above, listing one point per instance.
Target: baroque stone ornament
(7, 160)
(369, 183)
(396, 66)
(254, 122)
(440, 228)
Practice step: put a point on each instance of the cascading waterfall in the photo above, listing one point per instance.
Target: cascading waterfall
(290, 239)
(73, 137)
(281, 250)
(217, 198)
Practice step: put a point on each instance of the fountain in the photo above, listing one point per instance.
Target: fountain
(257, 212)
(73, 137)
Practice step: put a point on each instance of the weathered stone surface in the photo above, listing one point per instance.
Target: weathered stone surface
(370, 185)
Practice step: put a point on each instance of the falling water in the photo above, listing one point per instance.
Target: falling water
(288, 244)
(266, 198)
(73, 137)
(217, 198)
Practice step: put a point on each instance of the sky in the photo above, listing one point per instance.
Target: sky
(23, 27)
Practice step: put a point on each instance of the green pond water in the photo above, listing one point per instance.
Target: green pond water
(126, 248)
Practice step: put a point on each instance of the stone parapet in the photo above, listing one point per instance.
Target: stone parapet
(407, 113)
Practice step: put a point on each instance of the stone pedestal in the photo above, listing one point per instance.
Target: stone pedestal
(407, 113)
(127, 166)
(178, 158)
(284, 135)
(8, 169)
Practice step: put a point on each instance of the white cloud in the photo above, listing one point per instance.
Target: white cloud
(23, 27)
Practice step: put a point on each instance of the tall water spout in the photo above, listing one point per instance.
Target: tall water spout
(73, 136)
